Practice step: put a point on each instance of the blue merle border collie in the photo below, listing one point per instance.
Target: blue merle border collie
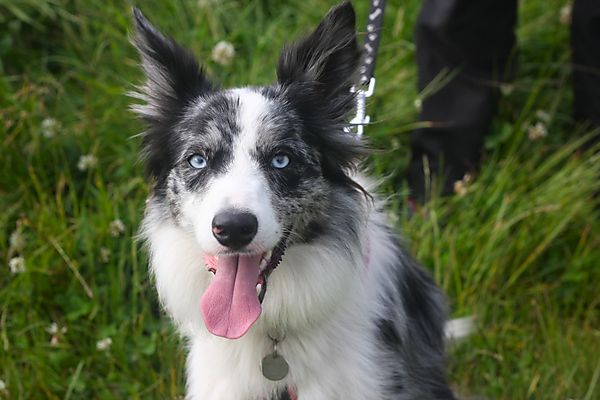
(247, 179)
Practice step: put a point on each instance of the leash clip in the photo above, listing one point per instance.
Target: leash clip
(356, 125)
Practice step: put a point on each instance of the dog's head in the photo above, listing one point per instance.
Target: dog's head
(239, 168)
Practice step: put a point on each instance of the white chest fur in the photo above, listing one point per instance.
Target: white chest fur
(319, 296)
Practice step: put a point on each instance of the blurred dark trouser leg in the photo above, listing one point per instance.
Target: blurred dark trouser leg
(475, 37)
(585, 44)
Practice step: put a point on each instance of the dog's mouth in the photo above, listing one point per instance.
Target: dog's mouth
(232, 302)
(211, 261)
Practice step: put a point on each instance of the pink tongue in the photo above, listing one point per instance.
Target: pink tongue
(230, 304)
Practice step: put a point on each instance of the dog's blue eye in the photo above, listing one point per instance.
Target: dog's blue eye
(197, 161)
(280, 161)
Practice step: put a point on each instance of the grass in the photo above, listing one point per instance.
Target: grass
(520, 248)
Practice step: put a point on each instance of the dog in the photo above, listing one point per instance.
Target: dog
(269, 249)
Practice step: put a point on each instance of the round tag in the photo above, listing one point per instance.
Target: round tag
(274, 367)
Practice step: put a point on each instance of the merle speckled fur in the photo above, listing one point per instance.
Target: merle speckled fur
(304, 115)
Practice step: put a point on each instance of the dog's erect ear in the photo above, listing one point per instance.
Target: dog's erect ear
(174, 79)
(316, 74)
(327, 58)
(174, 76)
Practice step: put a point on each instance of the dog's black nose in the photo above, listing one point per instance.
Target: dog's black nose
(234, 229)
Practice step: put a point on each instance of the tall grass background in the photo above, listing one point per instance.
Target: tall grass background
(518, 246)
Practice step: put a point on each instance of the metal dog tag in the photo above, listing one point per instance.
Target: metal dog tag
(274, 367)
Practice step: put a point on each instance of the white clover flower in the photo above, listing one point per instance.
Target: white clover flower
(460, 188)
(104, 344)
(467, 178)
(87, 161)
(565, 14)
(17, 265)
(55, 329)
(52, 328)
(16, 242)
(104, 255)
(223, 53)
(3, 387)
(49, 127)
(116, 227)
(537, 131)
(461, 185)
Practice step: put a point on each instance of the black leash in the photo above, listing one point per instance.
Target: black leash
(367, 69)
(372, 39)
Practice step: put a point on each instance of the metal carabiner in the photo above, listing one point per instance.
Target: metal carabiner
(356, 125)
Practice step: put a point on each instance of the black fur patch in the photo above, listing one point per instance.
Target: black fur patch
(174, 79)
(417, 337)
